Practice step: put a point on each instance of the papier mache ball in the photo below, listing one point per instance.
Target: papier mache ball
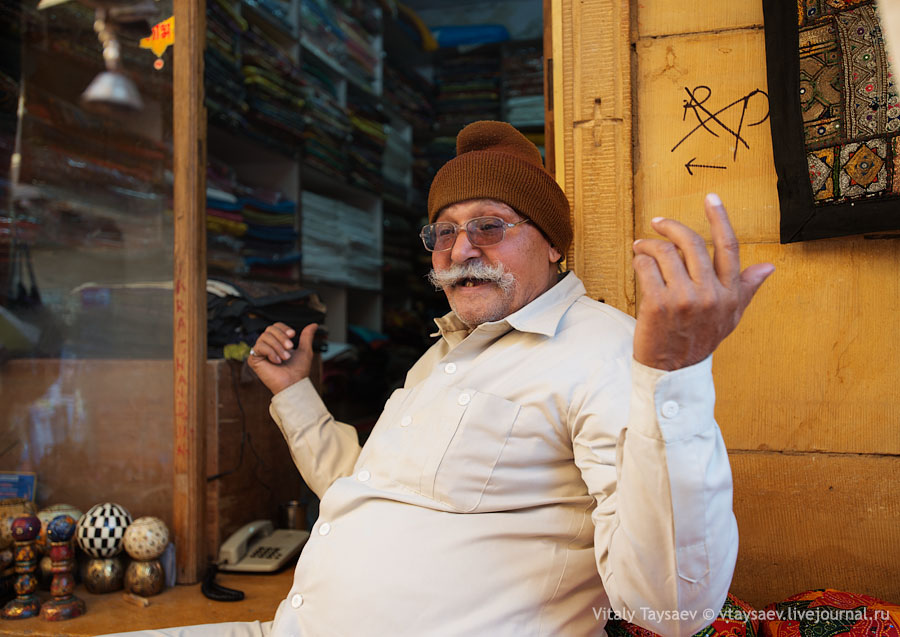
(47, 515)
(61, 528)
(146, 538)
(101, 529)
(26, 528)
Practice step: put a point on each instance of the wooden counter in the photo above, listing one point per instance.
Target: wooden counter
(178, 606)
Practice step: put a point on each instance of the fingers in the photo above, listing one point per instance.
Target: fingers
(667, 259)
(726, 258)
(691, 244)
(306, 337)
(649, 277)
(275, 343)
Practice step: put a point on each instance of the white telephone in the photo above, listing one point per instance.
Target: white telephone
(258, 547)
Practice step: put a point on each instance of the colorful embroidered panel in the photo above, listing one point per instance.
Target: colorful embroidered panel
(831, 613)
(736, 619)
(835, 118)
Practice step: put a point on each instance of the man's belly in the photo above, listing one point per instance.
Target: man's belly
(386, 563)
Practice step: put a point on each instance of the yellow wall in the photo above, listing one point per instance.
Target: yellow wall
(807, 384)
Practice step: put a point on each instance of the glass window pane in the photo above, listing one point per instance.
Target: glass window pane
(86, 253)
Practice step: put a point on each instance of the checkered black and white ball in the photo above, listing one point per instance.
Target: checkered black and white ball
(101, 529)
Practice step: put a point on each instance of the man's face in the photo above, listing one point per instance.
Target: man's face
(524, 253)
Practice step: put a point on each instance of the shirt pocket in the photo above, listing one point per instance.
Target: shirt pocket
(473, 446)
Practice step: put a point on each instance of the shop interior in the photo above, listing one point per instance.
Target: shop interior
(325, 122)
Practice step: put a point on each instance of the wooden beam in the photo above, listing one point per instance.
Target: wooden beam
(189, 352)
(593, 152)
(549, 95)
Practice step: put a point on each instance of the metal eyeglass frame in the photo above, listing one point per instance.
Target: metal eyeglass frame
(505, 225)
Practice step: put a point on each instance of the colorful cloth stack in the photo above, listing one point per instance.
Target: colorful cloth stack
(367, 145)
(361, 59)
(274, 86)
(249, 230)
(226, 99)
(523, 84)
(468, 86)
(328, 126)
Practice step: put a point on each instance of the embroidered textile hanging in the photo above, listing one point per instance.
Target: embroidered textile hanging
(835, 118)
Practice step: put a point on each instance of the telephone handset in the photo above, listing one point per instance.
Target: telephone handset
(260, 548)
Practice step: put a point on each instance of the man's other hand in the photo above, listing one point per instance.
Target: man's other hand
(689, 302)
(276, 362)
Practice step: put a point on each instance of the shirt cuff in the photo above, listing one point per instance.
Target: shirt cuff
(674, 405)
(298, 405)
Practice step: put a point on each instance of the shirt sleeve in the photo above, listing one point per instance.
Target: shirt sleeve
(665, 535)
(322, 448)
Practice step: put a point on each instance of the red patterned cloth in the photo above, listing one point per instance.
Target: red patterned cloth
(828, 612)
(736, 619)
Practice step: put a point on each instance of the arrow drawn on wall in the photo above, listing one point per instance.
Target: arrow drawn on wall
(690, 164)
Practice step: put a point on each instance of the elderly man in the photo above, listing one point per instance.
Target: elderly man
(548, 460)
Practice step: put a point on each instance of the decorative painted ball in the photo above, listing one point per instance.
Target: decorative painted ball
(25, 527)
(61, 528)
(146, 538)
(46, 515)
(10, 509)
(101, 529)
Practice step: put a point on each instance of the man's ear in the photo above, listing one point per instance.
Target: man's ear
(555, 255)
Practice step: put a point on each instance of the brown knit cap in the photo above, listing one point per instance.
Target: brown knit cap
(495, 161)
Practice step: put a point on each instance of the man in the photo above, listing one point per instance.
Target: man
(548, 458)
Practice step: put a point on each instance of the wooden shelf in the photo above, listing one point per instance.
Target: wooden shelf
(178, 606)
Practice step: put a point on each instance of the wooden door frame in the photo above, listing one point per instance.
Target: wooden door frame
(189, 289)
(588, 127)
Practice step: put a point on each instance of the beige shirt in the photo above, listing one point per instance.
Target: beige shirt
(528, 476)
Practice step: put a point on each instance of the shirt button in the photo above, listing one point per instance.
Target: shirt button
(406, 421)
(297, 600)
(670, 409)
(463, 399)
(325, 529)
(450, 368)
(363, 475)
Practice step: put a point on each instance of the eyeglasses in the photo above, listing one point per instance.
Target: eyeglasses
(481, 232)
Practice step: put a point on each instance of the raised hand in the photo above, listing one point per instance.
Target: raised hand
(276, 362)
(689, 302)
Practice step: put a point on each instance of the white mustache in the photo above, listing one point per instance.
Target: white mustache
(496, 274)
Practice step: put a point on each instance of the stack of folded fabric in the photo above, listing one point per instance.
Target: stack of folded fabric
(430, 157)
(250, 231)
(411, 95)
(468, 88)
(274, 88)
(361, 58)
(367, 145)
(323, 241)
(276, 12)
(363, 249)
(320, 28)
(224, 82)
(270, 245)
(327, 124)
(340, 243)
(397, 162)
(523, 84)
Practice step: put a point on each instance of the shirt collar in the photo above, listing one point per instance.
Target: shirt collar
(541, 316)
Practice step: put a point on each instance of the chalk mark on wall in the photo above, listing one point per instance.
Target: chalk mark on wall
(708, 120)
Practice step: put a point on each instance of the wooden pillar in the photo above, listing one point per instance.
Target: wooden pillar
(189, 352)
(591, 48)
